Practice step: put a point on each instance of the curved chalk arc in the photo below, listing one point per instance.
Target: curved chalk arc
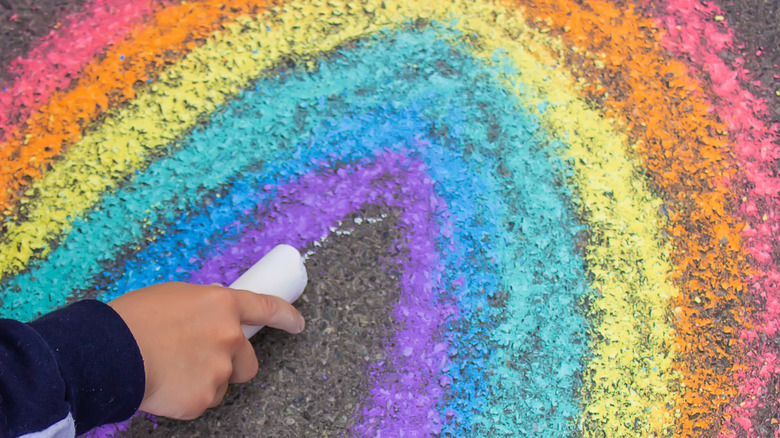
(642, 162)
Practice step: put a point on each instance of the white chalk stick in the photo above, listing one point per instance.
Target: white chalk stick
(280, 272)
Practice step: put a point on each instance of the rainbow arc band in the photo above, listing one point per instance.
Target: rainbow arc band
(200, 149)
(203, 150)
(639, 355)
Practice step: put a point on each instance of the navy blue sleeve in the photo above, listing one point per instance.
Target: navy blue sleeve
(75, 366)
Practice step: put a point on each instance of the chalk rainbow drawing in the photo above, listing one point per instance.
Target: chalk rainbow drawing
(585, 190)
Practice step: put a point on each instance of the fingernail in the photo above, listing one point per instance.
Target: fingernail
(301, 324)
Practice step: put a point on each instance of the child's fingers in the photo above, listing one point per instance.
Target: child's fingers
(259, 309)
(244, 364)
(219, 395)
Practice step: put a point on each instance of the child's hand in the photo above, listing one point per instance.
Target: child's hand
(192, 344)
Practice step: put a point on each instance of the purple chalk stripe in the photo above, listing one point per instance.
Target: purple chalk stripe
(405, 388)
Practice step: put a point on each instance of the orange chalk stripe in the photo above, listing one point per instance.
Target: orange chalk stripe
(106, 83)
(625, 69)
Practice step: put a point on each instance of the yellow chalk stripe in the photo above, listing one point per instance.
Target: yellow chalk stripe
(625, 254)
(629, 377)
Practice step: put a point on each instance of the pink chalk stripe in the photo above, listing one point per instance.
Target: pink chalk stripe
(693, 33)
(62, 54)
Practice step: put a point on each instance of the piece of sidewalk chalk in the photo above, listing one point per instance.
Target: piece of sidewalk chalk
(280, 273)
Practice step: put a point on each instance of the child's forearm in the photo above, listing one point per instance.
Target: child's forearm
(71, 370)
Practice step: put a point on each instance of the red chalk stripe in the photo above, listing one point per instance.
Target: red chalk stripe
(61, 54)
(693, 33)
